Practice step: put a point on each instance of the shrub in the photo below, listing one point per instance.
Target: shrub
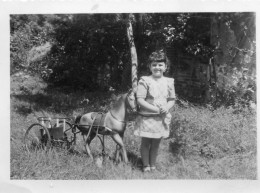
(235, 87)
(30, 41)
(25, 84)
(212, 133)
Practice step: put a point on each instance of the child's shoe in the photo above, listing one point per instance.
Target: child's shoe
(152, 168)
(146, 169)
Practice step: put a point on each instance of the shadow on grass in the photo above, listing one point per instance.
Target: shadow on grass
(134, 160)
(24, 103)
(58, 101)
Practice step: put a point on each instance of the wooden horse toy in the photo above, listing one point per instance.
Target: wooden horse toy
(112, 123)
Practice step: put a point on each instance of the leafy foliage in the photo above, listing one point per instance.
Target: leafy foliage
(29, 36)
(90, 51)
(212, 134)
(236, 60)
(236, 88)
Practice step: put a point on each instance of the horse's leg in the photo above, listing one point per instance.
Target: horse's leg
(121, 152)
(118, 139)
(117, 158)
(87, 144)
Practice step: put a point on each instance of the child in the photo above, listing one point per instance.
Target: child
(155, 96)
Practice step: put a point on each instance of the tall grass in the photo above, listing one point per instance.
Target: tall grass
(204, 143)
(223, 140)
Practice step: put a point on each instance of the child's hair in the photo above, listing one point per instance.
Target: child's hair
(157, 56)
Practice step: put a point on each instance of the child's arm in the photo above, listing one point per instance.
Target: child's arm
(147, 106)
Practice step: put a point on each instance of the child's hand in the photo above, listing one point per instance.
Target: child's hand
(164, 109)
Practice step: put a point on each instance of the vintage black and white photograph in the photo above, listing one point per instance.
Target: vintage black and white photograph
(133, 96)
(149, 95)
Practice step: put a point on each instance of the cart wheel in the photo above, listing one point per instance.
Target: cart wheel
(37, 137)
(69, 134)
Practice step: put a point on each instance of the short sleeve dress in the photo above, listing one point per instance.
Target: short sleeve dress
(156, 93)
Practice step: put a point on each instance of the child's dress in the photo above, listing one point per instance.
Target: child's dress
(155, 93)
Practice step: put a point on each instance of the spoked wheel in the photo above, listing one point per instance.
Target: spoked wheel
(37, 137)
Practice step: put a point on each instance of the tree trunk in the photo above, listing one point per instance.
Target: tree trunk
(130, 37)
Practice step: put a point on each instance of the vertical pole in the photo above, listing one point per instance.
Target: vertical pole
(49, 123)
(42, 122)
(131, 42)
(57, 122)
(64, 121)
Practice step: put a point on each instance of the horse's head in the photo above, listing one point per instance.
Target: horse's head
(131, 101)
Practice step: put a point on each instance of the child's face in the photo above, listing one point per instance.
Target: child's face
(157, 69)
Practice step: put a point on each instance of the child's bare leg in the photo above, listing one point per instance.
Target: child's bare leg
(154, 151)
(145, 149)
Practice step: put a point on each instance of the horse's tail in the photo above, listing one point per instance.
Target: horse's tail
(77, 120)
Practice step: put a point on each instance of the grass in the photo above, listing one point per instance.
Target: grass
(204, 143)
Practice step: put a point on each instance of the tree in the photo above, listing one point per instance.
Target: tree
(235, 58)
(134, 60)
(91, 46)
(91, 51)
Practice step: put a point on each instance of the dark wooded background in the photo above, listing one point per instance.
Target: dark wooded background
(211, 55)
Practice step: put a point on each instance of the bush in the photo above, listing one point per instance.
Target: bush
(25, 84)
(236, 87)
(212, 133)
(30, 41)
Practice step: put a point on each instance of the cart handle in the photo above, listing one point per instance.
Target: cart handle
(61, 118)
(54, 118)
